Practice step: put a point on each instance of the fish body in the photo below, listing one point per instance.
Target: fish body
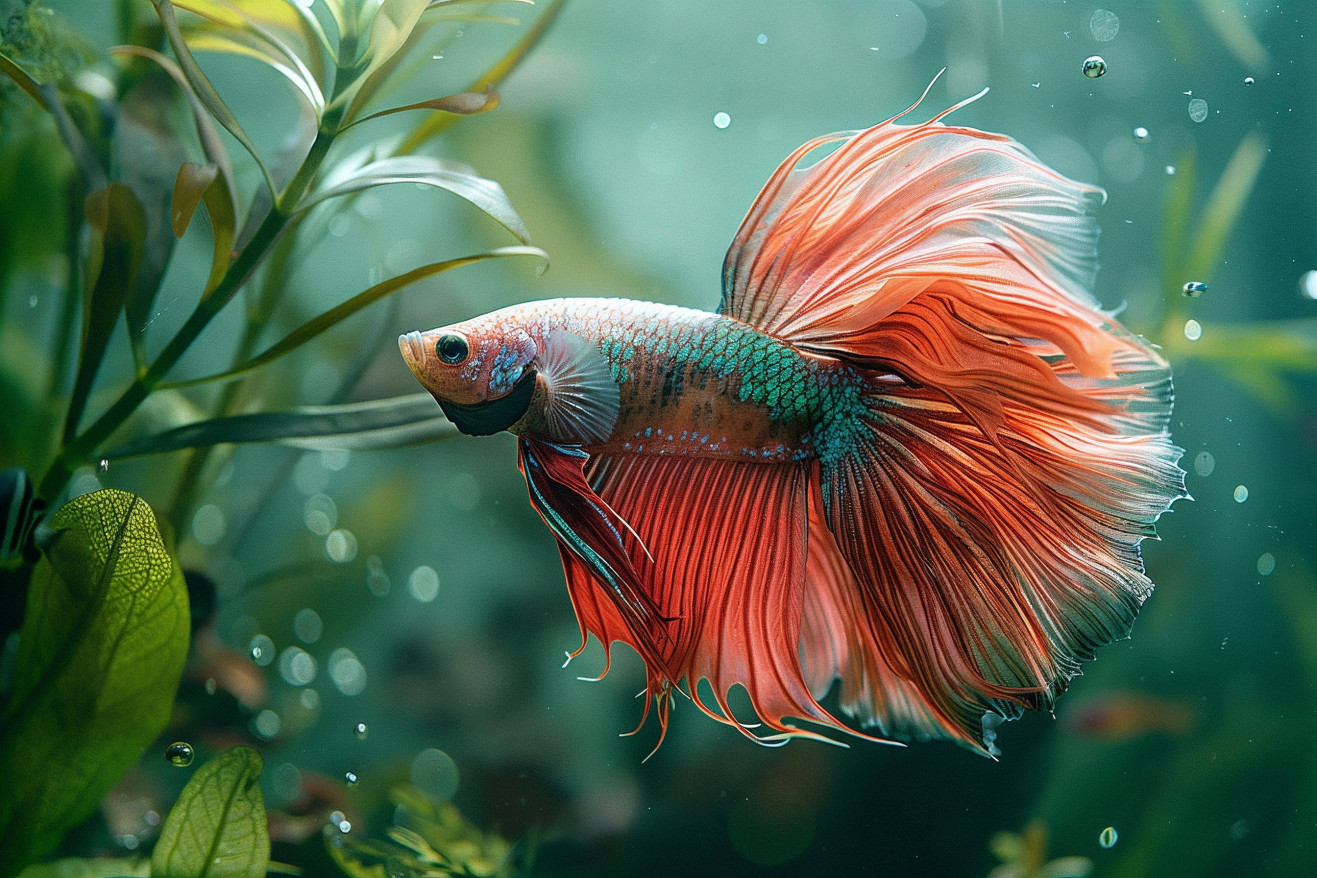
(908, 458)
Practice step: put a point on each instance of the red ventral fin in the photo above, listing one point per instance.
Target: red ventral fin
(588, 528)
(728, 545)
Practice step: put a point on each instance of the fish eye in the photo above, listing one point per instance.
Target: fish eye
(451, 348)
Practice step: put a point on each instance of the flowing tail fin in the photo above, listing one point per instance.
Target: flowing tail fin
(986, 503)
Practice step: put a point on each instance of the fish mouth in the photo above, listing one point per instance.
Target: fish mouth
(413, 350)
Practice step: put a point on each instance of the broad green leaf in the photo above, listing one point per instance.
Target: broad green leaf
(217, 827)
(465, 104)
(138, 867)
(338, 314)
(119, 223)
(202, 88)
(382, 423)
(99, 658)
(458, 179)
(438, 123)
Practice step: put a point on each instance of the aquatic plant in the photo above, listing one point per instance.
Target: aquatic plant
(106, 627)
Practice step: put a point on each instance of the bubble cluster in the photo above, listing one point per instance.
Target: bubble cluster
(1094, 66)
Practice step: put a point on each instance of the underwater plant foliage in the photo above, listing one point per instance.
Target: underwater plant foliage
(341, 574)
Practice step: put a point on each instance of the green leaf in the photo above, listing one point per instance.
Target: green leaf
(273, 55)
(192, 182)
(202, 88)
(217, 827)
(456, 178)
(391, 31)
(138, 867)
(336, 315)
(45, 95)
(198, 182)
(120, 225)
(468, 103)
(382, 423)
(22, 79)
(99, 658)
(1224, 206)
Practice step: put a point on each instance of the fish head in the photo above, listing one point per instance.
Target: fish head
(479, 371)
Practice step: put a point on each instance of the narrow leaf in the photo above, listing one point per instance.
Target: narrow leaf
(201, 86)
(336, 315)
(1225, 205)
(99, 658)
(202, 182)
(217, 827)
(270, 53)
(192, 182)
(119, 222)
(437, 124)
(399, 420)
(458, 179)
(138, 867)
(22, 80)
(92, 173)
(391, 29)
(465, 104)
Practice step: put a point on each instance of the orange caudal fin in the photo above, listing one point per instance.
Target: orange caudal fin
(986, 501)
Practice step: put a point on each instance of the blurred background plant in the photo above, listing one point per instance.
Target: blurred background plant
(373, 620)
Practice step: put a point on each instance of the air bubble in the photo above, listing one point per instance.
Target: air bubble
(297, 666)
(350, 778)
(1308, 284)
(361, 731)
(1241, 493)
(435, 774)
(180, 753)
(1266, 564)
(1108, 837)
(1193, 330)
(1204, 463)
(266, 724)
(1248, 80)
(1141, 134)
(307, 625)
(1194, 289)
(423, 584)
(761, 39)
(261, 649)
(1198, 109)
(721, 120)
(209, 525)
(1094, 66)
(103, 467)
(1103, 25)
(341, 546)
(347, 672)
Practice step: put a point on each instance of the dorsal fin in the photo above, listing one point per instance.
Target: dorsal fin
(583, 400)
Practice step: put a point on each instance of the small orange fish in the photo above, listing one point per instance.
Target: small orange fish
(909, 452)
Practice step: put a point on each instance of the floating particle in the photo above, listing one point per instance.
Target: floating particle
(1266, 564)
(1141, 134)
(1108, 837)
(721, 120)
(1248, 80)
(261, 649)
(1308, 284)
(1241, 493)
(1094, 66)
(180, 753)
(1193, 330)
(1170, 170)
(1198, 109)
(1103, 25)
(350, 778)
(1194, 289)
(1204, 463)
(361, 731)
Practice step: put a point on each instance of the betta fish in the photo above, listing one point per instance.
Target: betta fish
(909, 455)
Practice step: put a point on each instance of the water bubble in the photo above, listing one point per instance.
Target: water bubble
(1204, 463)
(320, 514)
(1241, 493)
(1266, 564)
(1108, 837)
(1194, 289)
(309, 699)
(350, 778)
(761, 39)
(344, 827)
(1170, 170)
(434, 773)
(1141, 134)
(347, 672)
(261, 649)
(1308, 284)
(212, 686)
(423, 584)
(209, 525)
(266, 724)
(377, 580)
(32, 300)
(1193, 330)
(296, 666)
(129, 842)
(361, 731)
(307, 625)
(1103, 25)
(1198, 109)
(1094, 66)
(341, 546)
(180, 753)
(1248, 80)
(721, 120)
